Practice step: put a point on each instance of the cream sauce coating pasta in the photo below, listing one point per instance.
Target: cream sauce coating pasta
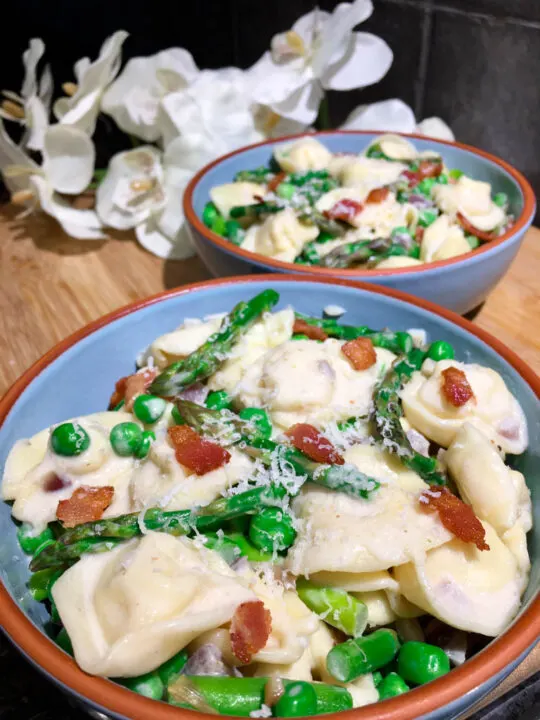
(301, 155)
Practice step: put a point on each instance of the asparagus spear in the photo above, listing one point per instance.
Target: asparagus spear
(360, 251)
(336, 607)
(327, 225)
(387, 414)
(58, 555)
(362, 655)
(398, 342)
(253, 211)
(212, 354)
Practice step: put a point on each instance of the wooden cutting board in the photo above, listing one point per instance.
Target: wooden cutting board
(51, 285)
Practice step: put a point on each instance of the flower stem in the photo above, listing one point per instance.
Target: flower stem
(323, 118)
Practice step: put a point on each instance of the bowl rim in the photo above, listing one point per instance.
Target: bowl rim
(271, 264)
(114, 698)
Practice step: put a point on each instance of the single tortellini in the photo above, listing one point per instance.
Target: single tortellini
(330, 198)
(365, 173)
(233, 194)
(302, 155)
(493, 410)
(37, 479)
(496, 493)
(269, 332)
(339, 533)
(395, 147)
(471, 198)
(183, 341)
(129, 610)
(281, 236)
(443, 240)
(306, 381)
(469, 589)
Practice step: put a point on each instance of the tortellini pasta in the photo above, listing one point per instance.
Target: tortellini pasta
(442, 241)
(230, 195)
(365, 173)
(281, 236)
(301, 155)
(471, 198)
(181, 342)
(493, 410)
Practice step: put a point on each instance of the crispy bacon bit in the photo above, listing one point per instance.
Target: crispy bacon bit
(455, 387)
(301, 327)
(429, 169)
(469, 227)
(129, 387)
(455, 515)
(378, 195)
(87, 504)
(53, 482)
(411, 176)
(345, 210)
(360, 353)
(312, 443)
(251, 626)
(419, 234)
(196, 453)
(275, 181)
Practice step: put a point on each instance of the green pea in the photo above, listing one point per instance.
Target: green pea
(285, 190)
(311, 254)
(473, 241)
(375, 152)
(419, 663)
(455, 174)
(171, 669)
(324, 237)
(377, 678)
(425, 186)
(401, 230)
(120, 405)
(500, 199)
(440, 350)
(219, 226)
(247, 549)
(178, 419)
(147, 439)
(259, 418)
(234, 232)
(298, 700)
(442, 179)
(125, 438)
(29, 540)
(149, 685)
(69, 439)
(219, 400)
(362, 655)
(272, 530)
(64, 642)
(210, 212)
(427, 217)
(41, 582)
(299, 336)
(149, 408)
(392, 685)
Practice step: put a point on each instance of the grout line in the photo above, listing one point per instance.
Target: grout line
(423, 64)
(472, 15)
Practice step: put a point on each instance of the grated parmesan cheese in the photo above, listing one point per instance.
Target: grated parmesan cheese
(334, 311)
(263, 712)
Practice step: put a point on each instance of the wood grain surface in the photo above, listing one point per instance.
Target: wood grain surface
(51, 285)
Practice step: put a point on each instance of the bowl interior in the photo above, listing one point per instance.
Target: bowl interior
(81, 379)
(454, 156)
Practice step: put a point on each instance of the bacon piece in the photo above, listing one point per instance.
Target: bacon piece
(378, 195)
(429, 169)
(53, 482)
(312, 443)
(196, 453)
(275, 181)
(455, 515)
(469, 227)
(345, 210)
(251, 626)
(411, 176)
(87, 504)
(419, 233)
(360, 353)
(129, 387)
(455, 387)
(301, 327)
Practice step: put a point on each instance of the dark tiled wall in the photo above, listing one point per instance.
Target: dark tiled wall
(476, 63)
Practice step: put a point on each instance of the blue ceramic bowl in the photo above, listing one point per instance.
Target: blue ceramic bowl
(76, 377)
(459, 284)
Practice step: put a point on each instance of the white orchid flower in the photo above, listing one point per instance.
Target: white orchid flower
(31, 106)
(68, 165)
(143, 189)
(93, 78)
(133, 98)
(395, 116)
(320, 52)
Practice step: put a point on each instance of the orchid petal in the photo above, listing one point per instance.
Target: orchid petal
(133, 98)
(68, 159)
(81, 110)
(158, 244)
(120, 201)
(366, 60)
(271, 83)
(12, 154)
(388, 116)
(31, 58)
(80, 67)
(436, 128)
(272, 125)
(80, 224)
(336, 32)
(302, 105)
(37, 122)
(310, 25)
(46, 87)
